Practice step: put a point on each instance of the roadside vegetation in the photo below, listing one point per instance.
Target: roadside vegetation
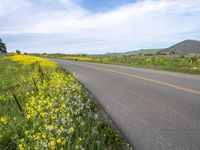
(185, 64)
(43, 107)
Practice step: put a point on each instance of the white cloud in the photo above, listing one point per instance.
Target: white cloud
(8, 7)
(130, 26)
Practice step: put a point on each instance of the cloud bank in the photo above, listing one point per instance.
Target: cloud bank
(65, 26)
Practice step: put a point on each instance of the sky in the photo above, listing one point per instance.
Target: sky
(97, 26)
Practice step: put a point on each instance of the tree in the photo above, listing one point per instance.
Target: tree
(18, 51)
(2, 47)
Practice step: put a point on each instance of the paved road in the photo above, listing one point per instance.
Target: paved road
(155, 110)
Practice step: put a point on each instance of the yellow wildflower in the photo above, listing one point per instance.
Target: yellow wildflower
(63, 105)
(71, 129)
(26, 132)
(4, 120)
(51, 127)
(22, 140)
(62, 129)
(52, 143)
(21, 147)
(28, 116)
(80, 139)
(59, 141)
(28, 60)
(44, 136)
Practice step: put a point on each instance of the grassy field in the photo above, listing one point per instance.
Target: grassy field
(43, 107)
(176, 63)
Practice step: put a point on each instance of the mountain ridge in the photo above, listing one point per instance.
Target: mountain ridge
(184, 48)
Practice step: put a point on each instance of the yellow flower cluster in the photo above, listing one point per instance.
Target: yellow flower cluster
(87, 58)
(52, 111)
(28, 60)
(78, 58)
(57, 113)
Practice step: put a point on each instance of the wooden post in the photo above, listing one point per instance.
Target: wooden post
(16, 100)
(41, 73)
(36, 89)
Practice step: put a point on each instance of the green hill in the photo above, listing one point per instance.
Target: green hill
(141, 51)
(184, 48)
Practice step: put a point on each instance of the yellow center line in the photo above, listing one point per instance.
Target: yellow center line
(150, 80)
(157, 82)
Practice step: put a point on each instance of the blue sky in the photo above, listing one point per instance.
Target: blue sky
(97, 26)
(103, 5)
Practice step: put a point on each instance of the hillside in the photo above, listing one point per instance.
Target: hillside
(184, 47)
(141, 51)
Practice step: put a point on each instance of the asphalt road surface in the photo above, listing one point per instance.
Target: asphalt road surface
(155, 110)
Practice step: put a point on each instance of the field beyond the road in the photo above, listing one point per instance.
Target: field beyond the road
(175, 63)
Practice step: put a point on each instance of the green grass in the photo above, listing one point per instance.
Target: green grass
(174, 63)
(19, 130)
(10, 73)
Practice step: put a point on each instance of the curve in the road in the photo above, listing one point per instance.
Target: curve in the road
(155, 110)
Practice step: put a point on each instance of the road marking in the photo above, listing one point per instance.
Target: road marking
(150, 80)
(157, 82)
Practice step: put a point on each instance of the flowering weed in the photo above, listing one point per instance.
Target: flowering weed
(56, 111)
(28, 60)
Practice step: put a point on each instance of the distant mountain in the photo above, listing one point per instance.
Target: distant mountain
(141, 51)
(184, 48)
